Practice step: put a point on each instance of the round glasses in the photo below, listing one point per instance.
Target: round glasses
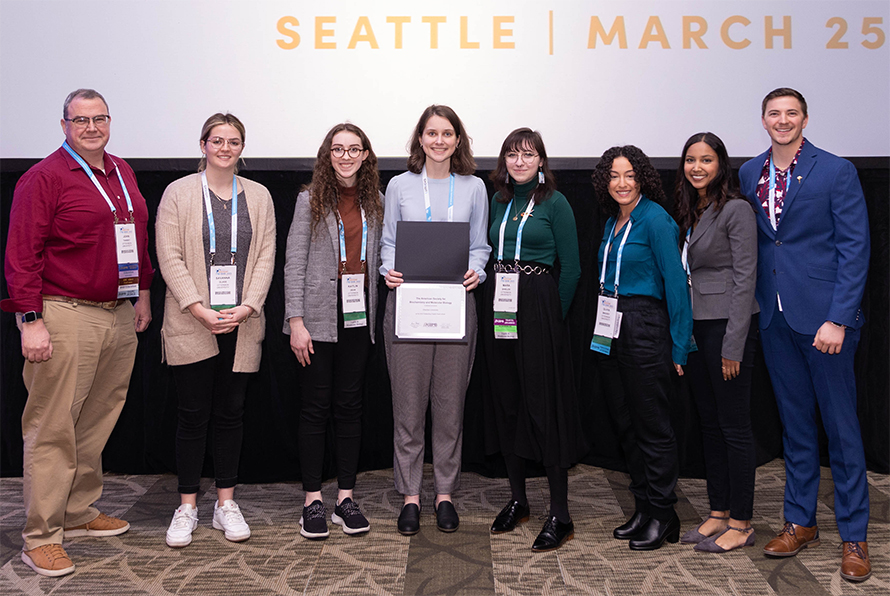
(352, 151)
(526, 156)
(218, 142)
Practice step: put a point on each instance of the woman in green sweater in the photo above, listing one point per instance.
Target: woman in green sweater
(532, 410)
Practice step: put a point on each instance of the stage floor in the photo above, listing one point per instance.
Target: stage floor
(277, 560)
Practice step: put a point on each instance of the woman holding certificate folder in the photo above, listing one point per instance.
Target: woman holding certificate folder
(438, 186)
(533, 411)
(216, 251)
(330, 307)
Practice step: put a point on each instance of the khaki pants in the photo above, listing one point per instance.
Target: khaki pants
(74, 400)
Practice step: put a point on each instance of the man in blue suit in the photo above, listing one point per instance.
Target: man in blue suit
(813, 259)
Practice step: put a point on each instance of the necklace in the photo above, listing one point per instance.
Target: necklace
(225, 203)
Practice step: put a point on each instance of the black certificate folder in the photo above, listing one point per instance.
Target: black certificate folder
(432, 251)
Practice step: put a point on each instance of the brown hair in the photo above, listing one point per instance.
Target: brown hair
(324, 189)
(646, 176)
(216, 120)
(517, 141)
(462, 161)
(784, 92)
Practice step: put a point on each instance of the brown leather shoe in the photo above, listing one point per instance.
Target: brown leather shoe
(103, 525)
(791, 540)
(855, 566)
(50, 560)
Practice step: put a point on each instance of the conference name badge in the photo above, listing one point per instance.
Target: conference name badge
(223, 279)
(506, 306)
(127, 260)
(608, 324)
(352, 295)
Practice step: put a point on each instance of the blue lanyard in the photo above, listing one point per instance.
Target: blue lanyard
(528, 211)
(618, 258)
(104, 194)
(343, 240)
(211, 226)
(426, 196)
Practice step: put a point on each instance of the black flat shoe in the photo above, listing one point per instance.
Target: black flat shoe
(409, 520)
(509, 517)
(631, 527)
(446, 517)
(654, 534)
(553, 535)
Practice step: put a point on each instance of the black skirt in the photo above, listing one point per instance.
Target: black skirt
(532, 408)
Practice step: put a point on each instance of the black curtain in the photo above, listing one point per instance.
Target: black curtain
(143, 441)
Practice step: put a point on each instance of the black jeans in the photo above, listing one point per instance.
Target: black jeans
(637, 383)
(210, 392)
(334, 381)
(725, 411)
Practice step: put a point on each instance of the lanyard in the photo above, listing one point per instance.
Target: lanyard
(104, 194)
(343, 240)
(211, 226)
(426, 196)
(772, 191)
(528, 211)
(618, 258)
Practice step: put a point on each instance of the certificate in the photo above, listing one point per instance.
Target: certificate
(431, 312)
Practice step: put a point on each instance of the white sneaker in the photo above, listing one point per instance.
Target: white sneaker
(229, 518)
(185, 520)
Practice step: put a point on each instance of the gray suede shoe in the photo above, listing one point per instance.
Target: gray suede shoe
(710, 545)
(694, 536)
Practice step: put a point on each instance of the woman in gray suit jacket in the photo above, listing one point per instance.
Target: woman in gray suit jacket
(720, 249)
(330, 303)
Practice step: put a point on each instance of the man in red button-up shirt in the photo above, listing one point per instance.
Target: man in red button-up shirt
(70, 271)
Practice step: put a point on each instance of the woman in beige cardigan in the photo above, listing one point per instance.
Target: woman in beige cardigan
(213, 314)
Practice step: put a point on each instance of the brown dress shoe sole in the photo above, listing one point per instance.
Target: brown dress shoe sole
(791, 553)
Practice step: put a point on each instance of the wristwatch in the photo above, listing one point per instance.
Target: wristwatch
(31, 316)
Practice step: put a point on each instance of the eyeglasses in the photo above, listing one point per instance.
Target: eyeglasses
(352, 151)
(218, 142)
(83, 121)
(514, 156)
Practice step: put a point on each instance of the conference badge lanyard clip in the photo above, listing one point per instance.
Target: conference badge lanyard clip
(352, 285)
(126, 248)
(692, 345)
(772, 206)
(223, 278)
(506, 290)
(608, 319)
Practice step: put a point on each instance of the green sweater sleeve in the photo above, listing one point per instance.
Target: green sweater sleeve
(566, 236)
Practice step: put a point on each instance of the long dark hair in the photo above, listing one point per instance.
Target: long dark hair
(646, 176)
(518, 141)
(462, 161)
(324, 191)
(721, 189)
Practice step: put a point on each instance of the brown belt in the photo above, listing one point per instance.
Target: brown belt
(107, 305)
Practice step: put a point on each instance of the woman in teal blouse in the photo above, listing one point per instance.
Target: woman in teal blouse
(532, 410)
(640, 266)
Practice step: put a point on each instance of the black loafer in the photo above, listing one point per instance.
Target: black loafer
(553, 535)
(409, 520)
(509, 517)
(446, 517)
(631, 527)
(654, 534)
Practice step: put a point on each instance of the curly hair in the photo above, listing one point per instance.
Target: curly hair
(219, 119)
(721, 189)
(324, 190)
(462, 161)
(520, 140)
(646, 177)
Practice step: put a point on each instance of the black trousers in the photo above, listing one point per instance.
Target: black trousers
(332, 385)
(725, 411)
(210, 395)
(637, 383)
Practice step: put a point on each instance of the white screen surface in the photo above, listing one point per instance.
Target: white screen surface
(292, 69)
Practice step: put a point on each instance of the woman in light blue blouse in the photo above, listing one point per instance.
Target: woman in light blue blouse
(642, 278)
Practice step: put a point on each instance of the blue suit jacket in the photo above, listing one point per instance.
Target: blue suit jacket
(817, 260)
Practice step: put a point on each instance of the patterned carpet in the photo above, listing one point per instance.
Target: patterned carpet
(277, 560)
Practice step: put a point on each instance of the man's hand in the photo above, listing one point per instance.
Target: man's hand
(143, 310)
(830, 338)
(36, 343)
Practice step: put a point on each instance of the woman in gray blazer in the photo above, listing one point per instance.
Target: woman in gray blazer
(330, 302)
(719, 241)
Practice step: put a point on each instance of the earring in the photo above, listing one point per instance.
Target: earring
(540, 176)
(508, 178)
